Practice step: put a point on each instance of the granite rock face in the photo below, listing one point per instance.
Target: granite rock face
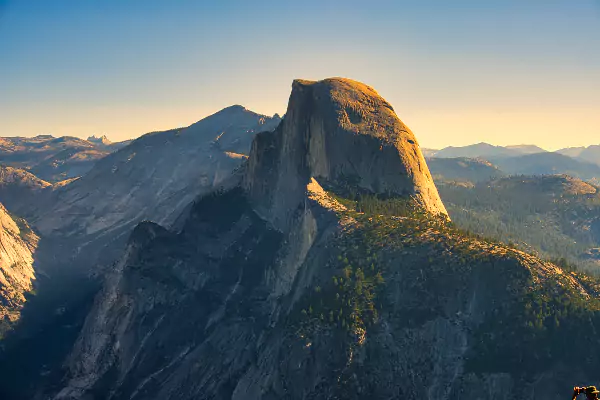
(17, 245)
(276, 287)
(338, 131)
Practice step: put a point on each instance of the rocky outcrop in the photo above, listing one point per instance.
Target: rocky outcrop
(340, 132)
(85, 224)
(103, 140)
(17, 245)
(278, 286)
(20, 190)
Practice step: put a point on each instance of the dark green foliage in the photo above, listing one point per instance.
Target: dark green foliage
(535, 214)
(462, 170)
(347, 192)
(535, 315)
(548, 325)
(217, 211)
(349, 299)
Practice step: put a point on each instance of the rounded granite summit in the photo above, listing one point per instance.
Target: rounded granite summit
(338, 130)
(358, 107)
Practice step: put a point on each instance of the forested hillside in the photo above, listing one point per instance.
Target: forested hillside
(557, 217)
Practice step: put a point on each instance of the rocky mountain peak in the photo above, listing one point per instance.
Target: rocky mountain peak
(340, 132)
(234, 108)
(99, 140)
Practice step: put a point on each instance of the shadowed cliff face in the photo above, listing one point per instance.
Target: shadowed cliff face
(276, 288)
(340, 132)
(20, 189)
(85, 225)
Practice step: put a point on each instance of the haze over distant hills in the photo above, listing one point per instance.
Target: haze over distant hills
(589, 153)
(55, 159)
(491, 152)
(583, 163)
(484, 150)
(463, 170)
(548, 164)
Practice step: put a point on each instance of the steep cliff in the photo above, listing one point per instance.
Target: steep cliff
(340, 132)
(17, 245)
(322, 272)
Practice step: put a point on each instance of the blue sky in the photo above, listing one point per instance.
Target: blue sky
(457, 72)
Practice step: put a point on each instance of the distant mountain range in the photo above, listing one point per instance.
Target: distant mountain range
(590, 154)
(550, 164)
(55, 159)
(539, 208)
(484, 150)
(477, 159)
(103, 140)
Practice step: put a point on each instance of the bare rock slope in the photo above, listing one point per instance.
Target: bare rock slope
(153, 178)
(19, 189)
(17, 245)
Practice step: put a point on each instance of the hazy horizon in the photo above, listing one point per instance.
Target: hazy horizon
(206, 116)
(108, 135)
(502, 72)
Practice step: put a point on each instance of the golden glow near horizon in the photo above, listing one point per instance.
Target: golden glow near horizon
(550, 129)
(502, 72)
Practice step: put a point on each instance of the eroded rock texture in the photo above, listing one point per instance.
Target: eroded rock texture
(17, 245)
(337, 131)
